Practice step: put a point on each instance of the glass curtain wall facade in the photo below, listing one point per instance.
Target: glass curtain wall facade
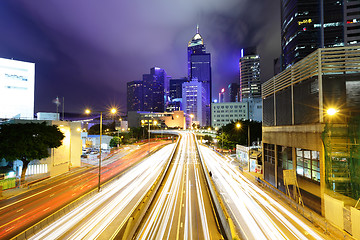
(199, 69)
(301, 31)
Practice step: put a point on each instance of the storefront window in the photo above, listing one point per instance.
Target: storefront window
(308, 164)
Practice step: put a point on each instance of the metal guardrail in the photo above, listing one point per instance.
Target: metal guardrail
(223, 219)
(140, 210)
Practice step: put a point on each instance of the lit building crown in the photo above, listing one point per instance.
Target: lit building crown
(197, 39)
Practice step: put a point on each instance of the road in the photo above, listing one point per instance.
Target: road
(94, 219)
(255, 213)
(181, 208)
(20, 212)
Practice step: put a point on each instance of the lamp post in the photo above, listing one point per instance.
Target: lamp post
(112, 111)
(238, 126)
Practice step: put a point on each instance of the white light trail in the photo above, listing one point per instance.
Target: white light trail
(89, 222)
(247, 202)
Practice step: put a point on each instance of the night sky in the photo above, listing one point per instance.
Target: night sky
(87, 50)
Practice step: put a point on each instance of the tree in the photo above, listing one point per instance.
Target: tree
(231, 136)
(208, 139)
(114, 142)
(27, 142)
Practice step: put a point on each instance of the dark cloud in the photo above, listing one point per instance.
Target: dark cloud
(86, 50)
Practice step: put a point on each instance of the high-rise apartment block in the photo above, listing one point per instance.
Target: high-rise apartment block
(199, 69)
(249, 65)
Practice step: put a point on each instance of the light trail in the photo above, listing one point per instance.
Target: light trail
(182, 208)
(91, 218)
(254, 211)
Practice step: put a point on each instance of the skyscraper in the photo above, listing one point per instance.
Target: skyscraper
(193, 95)
(199, 69)
(154, 90)
(310, 24)
(249, 65)
(135, 96)
(352, 19)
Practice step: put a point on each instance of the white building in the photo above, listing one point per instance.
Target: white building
(17, 88)
(254, 108)
(225, 113)
(194, 101)
(62, 158)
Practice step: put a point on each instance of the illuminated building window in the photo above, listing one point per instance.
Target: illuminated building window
(308, 164)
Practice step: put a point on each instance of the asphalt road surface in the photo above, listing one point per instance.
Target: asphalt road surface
(181, 209)
(256, 214)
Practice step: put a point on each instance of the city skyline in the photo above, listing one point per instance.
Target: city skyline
(87, 56)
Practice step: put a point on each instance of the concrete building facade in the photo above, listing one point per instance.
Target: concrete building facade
(300, 134)
(225, 113)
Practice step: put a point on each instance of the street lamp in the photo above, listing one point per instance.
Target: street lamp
(331, 111)
(238, 126)
(112, 111)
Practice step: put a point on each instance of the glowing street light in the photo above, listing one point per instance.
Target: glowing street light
(88, 111)
(332, 111)
(238, 125)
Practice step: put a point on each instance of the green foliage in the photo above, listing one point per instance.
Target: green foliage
(114, 142)
(209, 139)
(229, 135)
(95, 129)
(28, 141)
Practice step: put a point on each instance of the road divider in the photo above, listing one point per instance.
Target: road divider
(127, 230)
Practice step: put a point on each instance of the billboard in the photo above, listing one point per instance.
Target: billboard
(17, 87)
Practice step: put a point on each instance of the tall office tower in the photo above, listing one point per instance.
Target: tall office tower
(352, 20)
(249, 65)
(154, 90)
(199, 69)
(194, 97)
(234, 90)
(135, 96)
(310, 24)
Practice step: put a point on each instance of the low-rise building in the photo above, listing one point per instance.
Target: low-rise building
(61, 159)
(174, 119)
(225, 113)
(300, 132)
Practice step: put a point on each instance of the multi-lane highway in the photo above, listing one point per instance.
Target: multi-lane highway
(20, 212)
(255, 213)
(182, 208)
(101, 215)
